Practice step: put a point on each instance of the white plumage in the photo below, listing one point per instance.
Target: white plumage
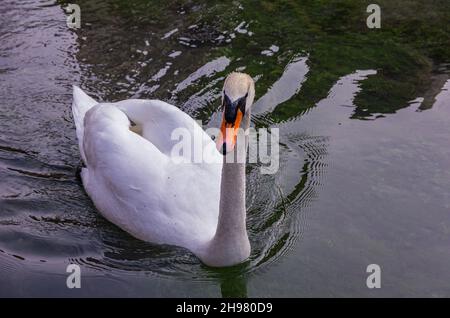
(133, 180)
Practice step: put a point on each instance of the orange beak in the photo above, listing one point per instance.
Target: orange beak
(228, 134)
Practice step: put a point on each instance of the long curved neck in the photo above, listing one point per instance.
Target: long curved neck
(230, 244)
(232, 213)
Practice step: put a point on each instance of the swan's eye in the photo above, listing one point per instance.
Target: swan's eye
(242, 102)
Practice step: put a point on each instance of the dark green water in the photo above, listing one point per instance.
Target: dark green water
(364, 119)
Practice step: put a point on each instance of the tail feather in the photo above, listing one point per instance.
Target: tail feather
(80, 105)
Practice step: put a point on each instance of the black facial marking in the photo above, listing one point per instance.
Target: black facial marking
(231, 108)
(224, 148)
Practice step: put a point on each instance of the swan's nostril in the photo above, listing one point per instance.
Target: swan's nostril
(224, 148)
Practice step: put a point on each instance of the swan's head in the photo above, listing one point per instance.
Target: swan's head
(237, 98)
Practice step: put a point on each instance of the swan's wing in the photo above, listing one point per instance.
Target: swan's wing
(171, 130)
(140, 189)
(125, 175)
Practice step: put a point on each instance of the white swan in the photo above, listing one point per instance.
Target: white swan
(134, 183)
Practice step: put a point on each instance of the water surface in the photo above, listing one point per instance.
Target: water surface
(363, 178)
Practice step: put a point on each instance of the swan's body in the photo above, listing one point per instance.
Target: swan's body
(136, 186)
(135, 183)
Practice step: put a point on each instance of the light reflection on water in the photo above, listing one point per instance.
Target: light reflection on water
(47, 221)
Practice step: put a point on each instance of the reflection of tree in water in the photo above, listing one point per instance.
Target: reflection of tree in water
(233, 287)
(232, 280)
